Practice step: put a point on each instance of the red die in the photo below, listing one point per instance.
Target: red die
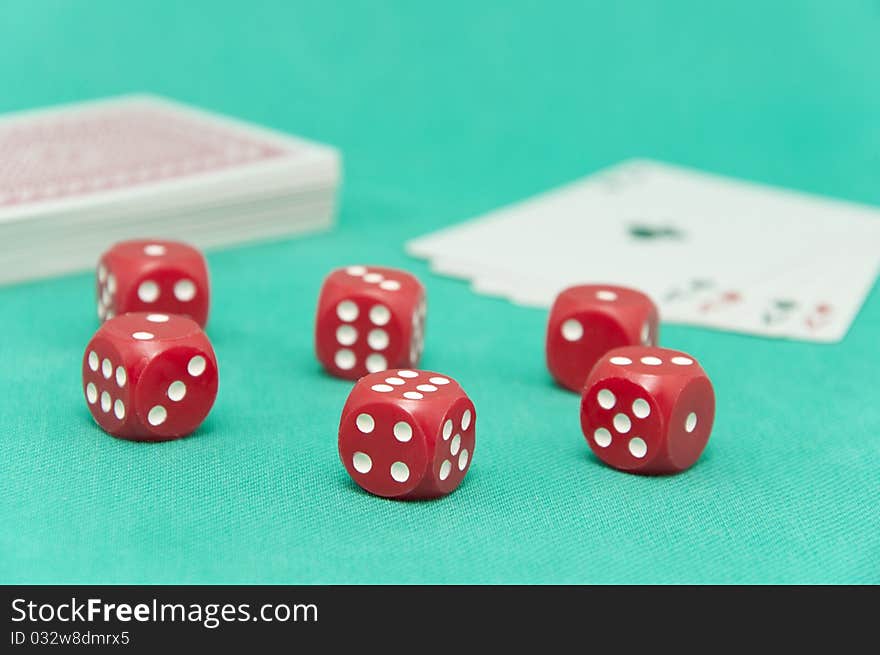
(149, 377)
(407, 434)
(648, 410)
(589, 320)
(153, 276)
(369, 320)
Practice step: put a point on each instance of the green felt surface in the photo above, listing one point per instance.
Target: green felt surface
(443, 111)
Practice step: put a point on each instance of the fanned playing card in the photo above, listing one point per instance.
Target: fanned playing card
(711, 251)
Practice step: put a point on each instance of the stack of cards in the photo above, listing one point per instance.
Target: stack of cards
(711, 251)
(74, 180)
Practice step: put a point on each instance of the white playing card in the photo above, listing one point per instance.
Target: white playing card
(815, 301)
(711, 251)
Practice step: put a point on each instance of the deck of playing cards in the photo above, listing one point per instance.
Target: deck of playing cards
(75, 179)
(710, 251)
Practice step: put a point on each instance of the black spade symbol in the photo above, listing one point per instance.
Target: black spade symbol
(645, 232)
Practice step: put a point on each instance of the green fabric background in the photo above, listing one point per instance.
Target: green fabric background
(445, 110)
